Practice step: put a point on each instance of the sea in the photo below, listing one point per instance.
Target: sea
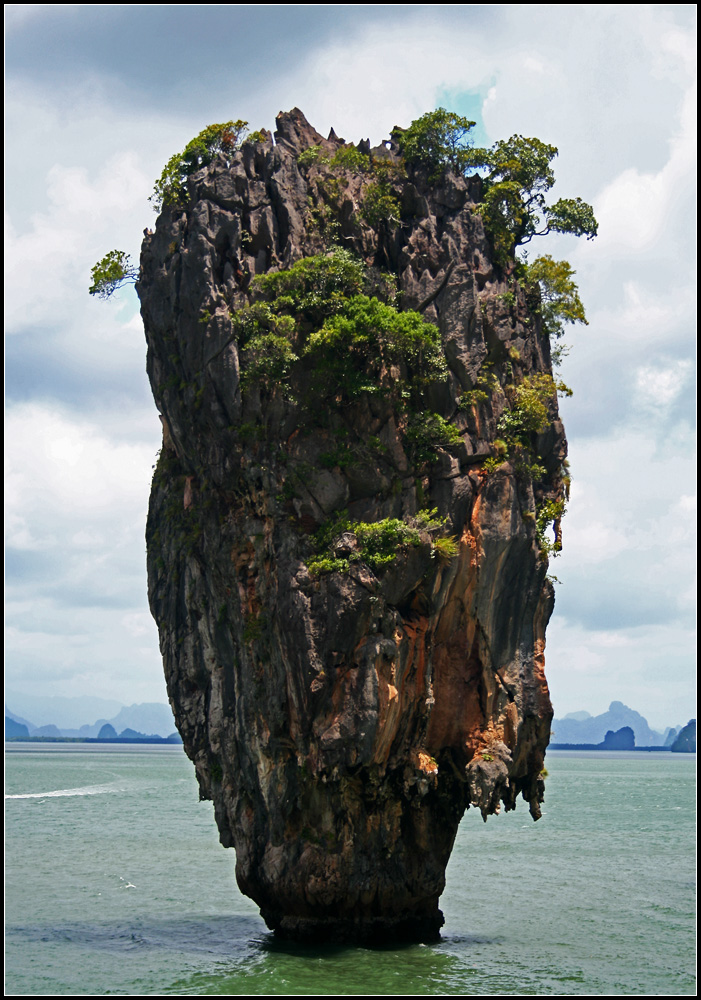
(116, 884)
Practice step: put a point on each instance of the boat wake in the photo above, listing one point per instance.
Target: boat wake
(65, 792)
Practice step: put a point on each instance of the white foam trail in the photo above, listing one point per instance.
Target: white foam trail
(64, 792)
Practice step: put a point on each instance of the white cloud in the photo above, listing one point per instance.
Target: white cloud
(594, 541)
(63, 471)
(534, 65)
(363, 85)
(99, 655)
(138, 624)
(18, 14)
(647, 314)
(659, 386)
(635, 209)
(622, 487)
(76, 502)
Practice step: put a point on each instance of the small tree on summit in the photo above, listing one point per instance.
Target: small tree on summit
(439, 140)
(170, 187)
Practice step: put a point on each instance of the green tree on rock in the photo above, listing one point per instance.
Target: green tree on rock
(114, 270)
(438, 141)
(170, 188)
(518, 175)
(559, 296)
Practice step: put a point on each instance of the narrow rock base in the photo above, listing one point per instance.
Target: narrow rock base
(371, 932)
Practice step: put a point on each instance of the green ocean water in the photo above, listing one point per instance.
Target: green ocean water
(116, 885)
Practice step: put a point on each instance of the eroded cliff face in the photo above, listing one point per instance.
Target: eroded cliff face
(342, 721)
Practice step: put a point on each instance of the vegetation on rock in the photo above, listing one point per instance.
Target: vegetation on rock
(377, 543)
(559, 296)
(437, 141)
(370, 347)
(114, 270)
(170, 188)
(518, 174)
(315, 316)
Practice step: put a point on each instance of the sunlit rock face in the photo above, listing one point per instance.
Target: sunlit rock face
(341, 721)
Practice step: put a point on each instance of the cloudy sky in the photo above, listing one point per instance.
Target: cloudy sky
(100, 96)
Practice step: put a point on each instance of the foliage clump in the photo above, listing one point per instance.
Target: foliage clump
(559, 300)
(516, 175)
(350, 158)
(114, 270)
(378, 543)
(380, 203)
(369, 347)
(170, 188)
(267, 359)
(547, 513)
(438, 141)
(428, 431)
(312, 288)
(527, 414)
(311, 156)
(318, 312)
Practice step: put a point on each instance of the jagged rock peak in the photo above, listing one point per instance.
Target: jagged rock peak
(295, 133)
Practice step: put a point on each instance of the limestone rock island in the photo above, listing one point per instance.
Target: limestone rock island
(346, 553)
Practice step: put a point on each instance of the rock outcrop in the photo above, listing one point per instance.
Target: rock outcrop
(685, 742)
(622, 739)
(15, 730)
(342, 717)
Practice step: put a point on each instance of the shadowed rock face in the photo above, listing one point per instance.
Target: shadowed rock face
(342, 722)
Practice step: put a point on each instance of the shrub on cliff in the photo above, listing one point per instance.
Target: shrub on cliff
(529, 412)
(318, 312)
(517, 173)
(170, 187)
(313, 288)
(378, 543)
(437, 141)
(559, 296)
(369, 347)
(114, 270)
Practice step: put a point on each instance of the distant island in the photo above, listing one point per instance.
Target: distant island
(18, 732)
(620, 728)
(149, 722)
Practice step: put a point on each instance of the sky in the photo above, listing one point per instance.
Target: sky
(98, 97)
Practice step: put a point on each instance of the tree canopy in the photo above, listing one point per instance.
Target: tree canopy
(559, 296)
(170, 188)
(439, 140)
(516, 175)
(114, 270)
